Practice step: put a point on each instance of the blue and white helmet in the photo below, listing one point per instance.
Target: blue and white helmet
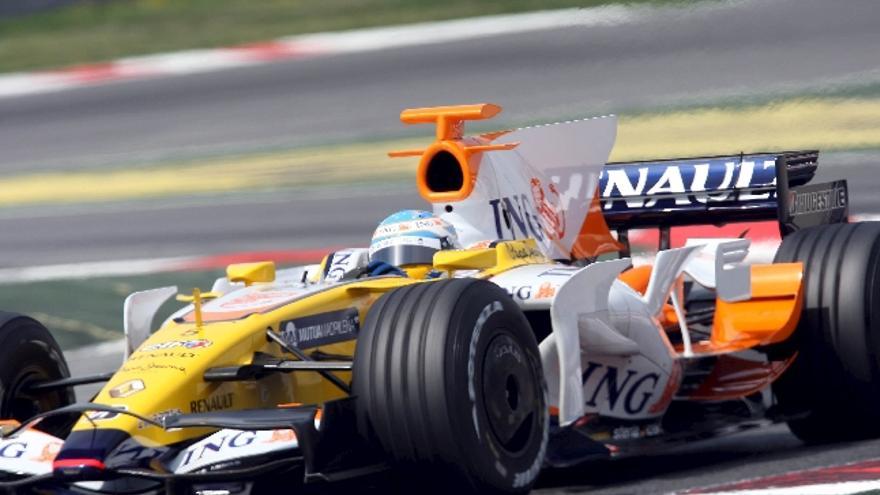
(411, 237)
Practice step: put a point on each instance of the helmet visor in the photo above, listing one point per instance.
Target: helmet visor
(408, 250)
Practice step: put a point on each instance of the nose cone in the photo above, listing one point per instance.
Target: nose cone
(86, 454)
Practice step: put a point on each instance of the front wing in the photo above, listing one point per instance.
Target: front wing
(305, 441)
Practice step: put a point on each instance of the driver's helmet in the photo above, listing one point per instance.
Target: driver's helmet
(411, 237)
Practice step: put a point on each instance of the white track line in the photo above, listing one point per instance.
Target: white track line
(845, 488)
(425, 33)
(68, 271)
(761, 251)
(360, 40)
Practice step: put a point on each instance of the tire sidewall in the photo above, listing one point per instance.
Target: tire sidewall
(28, 353)
(480, 317)
(832, 388)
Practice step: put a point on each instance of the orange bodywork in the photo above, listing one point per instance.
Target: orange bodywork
(733, 377)
(594, 238)
(638, 278)
(468, 153)
(450, 139)
(768, 317)
(449, 118)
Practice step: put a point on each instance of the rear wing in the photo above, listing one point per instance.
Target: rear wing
(721, 189)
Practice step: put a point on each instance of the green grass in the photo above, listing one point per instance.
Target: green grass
(101, 30)
(81, 312)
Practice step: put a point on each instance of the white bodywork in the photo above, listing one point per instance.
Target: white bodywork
(228, 445)
(615, 358)
(556, 165)
(719, 266)
(28, 453)
(534, 287)
(607, 352)
(138, 312)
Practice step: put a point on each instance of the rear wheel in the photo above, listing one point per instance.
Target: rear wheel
(835, 380)
(29, 355)
(447, 375)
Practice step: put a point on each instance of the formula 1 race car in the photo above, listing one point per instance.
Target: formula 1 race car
(533, 342)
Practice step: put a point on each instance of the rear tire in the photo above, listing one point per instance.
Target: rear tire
(28, 355)
(835, 379)
(448, 376)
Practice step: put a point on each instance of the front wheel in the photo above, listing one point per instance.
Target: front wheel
(29, 355)
(448, 376)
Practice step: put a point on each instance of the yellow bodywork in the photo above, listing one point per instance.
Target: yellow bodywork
(165, 374)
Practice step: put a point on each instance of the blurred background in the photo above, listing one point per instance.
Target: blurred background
(151, 142)
(148, 142)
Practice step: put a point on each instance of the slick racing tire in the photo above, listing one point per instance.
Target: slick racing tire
(29, 355)
(833, 386)
(447, 378)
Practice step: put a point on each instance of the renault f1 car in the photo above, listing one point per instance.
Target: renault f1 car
(537, 345)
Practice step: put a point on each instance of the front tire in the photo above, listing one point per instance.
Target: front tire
(448, 376)
(29, 355)
(835, 379)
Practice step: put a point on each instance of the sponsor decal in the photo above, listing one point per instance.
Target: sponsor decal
(628, 388)
(408, 226)
(545, 291)
(802, 203)
(31, 452)
(321, 329)
(134, 368)
(515, 217)
(162, 355)
(411, 240)
(217, 402)
(13, 450)
(281, 436)
(522, 251)
(339, 264)
(686, 183)
(550, 212)
(49, 452)
(172, 344)
(635, 432)
(228, 447)
(252, 301)
(105, 415)
(230, 441)
(527, 292)
(522, 293)
(481, 244)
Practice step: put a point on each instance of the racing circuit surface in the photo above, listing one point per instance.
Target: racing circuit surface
(659, 57)
(655, 58)
(666, 57)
